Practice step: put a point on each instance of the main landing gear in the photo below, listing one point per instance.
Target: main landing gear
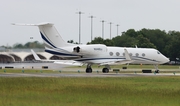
(89, 69)
(104, 70)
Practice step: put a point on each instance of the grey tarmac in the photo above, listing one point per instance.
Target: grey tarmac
(58, 75)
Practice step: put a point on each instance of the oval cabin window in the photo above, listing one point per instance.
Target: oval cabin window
(117, 53)
(137, 54)
(143, 54)
(110, 53)
(130, 54)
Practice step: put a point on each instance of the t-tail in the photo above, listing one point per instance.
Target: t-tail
(53, 42)
(50, 35)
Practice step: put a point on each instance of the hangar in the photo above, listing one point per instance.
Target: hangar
(20, 55)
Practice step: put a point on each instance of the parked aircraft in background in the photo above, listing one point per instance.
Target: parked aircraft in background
(97, 53)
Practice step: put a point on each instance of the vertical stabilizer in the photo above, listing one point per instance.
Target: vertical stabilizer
(50, 36)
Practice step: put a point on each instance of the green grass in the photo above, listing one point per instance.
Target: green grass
(131, 91)
(26, 71)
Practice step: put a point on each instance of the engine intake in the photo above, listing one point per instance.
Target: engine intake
(76, 49)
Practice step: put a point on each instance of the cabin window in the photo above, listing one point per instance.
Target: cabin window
(130, 54)
(137, 54)
(110, 53)
(143, 54)
(117, 53)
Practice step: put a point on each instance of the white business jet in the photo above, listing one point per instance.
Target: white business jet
(96, 53)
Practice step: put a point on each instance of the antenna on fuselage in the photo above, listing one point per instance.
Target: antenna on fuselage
(136, 46)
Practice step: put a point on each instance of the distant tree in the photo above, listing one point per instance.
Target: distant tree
(125, 41)
(18, 45)
(173, 48)
(34, 44)
(71, 41)
(144, 42)
(108, 42)
(131, 33)
(97, 40)
(156, 36)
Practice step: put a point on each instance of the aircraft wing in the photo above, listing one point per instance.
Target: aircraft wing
(69, 62)
(117, 62)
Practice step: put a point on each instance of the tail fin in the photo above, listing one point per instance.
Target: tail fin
(50, 35)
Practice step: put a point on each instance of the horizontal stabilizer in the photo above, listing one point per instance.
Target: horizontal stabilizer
(35, 55)
(40, 24)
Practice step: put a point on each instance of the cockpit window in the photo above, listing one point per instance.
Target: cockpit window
(158, 52)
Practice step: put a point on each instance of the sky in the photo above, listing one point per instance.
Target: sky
(129, 14)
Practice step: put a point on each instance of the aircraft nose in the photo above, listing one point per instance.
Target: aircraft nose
(165, 60)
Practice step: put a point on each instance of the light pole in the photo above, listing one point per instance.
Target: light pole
(110, 28)
(79, 25)
(103, 28)
(91, 26)
(117, 28)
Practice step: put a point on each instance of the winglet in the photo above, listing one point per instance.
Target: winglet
(136, 46)
(127, 56)
(35, 55)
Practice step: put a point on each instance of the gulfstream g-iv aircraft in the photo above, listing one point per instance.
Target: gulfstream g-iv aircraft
(97, 53)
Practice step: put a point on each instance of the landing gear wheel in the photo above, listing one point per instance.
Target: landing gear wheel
(156, 71)
(88, 70)
(105, 70)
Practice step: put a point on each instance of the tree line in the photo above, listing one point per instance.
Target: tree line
(34, 44)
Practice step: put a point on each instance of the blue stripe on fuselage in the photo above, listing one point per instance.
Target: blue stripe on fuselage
(58, 53)
(87, 59)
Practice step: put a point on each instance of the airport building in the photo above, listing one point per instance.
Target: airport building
(21, 55)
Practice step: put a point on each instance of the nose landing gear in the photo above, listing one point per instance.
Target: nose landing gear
(156, 69)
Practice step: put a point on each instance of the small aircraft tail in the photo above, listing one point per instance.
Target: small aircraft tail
(49, 34)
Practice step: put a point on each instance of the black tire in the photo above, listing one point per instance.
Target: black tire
(88, 70)
(105, 70)
(156, 71)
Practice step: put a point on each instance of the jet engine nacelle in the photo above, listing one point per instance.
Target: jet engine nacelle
(90, 49)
